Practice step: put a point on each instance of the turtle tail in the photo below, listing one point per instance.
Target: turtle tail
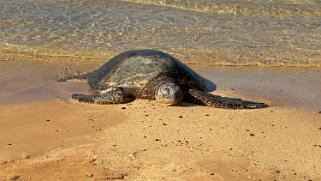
(203, 98)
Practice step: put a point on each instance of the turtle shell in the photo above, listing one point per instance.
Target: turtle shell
(136, 68)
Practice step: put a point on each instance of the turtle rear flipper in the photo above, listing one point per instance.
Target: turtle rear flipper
(83, 76)
(112, 96)
(203, 98)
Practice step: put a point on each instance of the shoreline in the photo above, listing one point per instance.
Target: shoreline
(205, 57)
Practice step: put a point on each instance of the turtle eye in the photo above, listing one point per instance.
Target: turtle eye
(131, 96)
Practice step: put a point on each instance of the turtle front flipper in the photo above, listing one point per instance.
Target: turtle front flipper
(112, 96)
(203, 98)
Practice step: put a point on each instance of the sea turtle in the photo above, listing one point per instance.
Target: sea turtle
(154, 75)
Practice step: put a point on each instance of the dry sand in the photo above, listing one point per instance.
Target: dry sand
(45, 135)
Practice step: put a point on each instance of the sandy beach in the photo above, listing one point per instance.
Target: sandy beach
(46, 135)
(260, 50)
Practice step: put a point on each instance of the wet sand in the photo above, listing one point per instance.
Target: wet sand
(293, 87)
(45, 134)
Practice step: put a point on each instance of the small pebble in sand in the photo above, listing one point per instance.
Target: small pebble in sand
(251, 134)
(48, 120)
(212, 174)
(320, 128)
(123, 108)
(207, 115)
(90, 175)
(180, 116)
(9, 144)
(157, 139)
(26, 156)
(15, 177)
(119, 177)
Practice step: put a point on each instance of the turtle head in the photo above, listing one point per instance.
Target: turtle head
(169, 94)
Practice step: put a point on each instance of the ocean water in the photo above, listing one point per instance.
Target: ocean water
(198, 32)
